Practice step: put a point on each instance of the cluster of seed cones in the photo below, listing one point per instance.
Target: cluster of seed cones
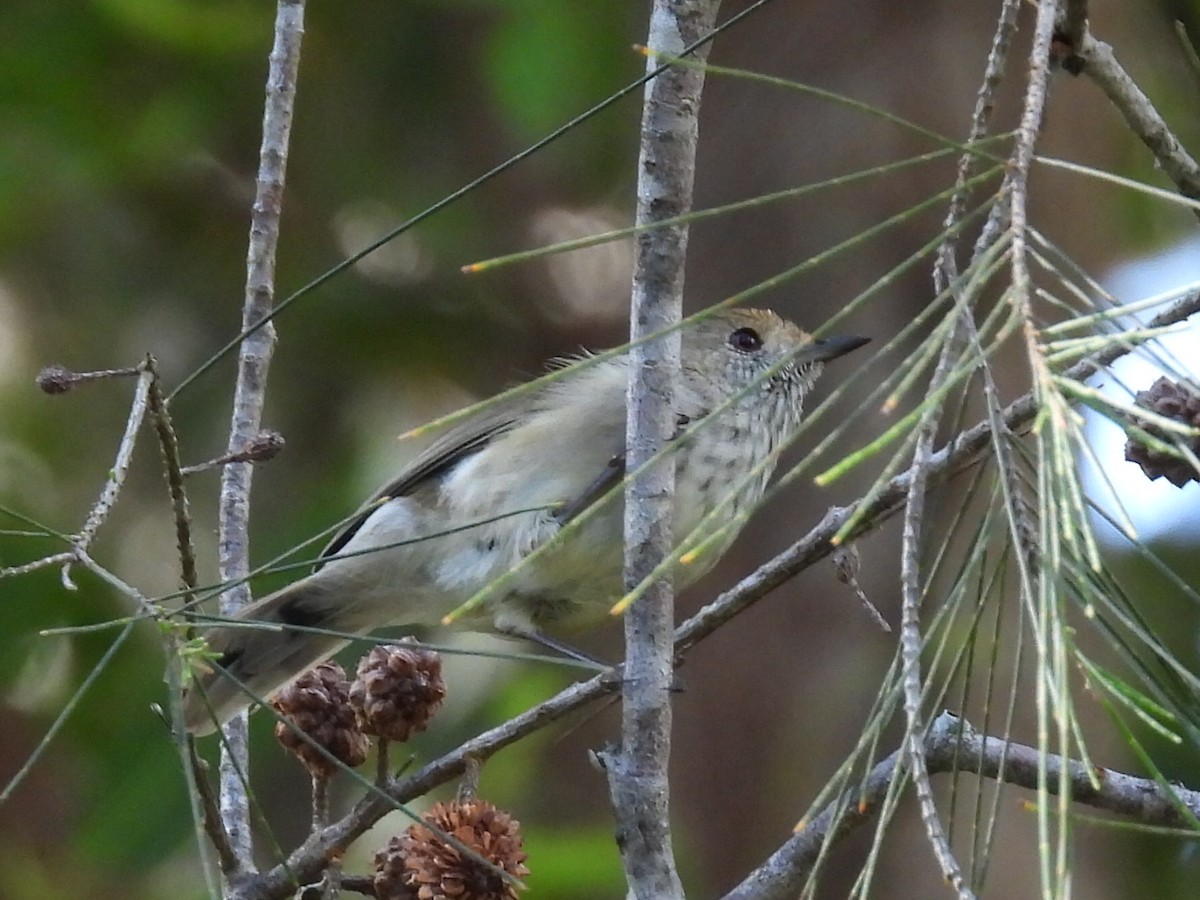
(1173, 400)
(327, 720)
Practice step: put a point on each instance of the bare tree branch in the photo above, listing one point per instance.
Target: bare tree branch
(637, 772)
(946, 268)
(952, 745)
(1096, 60)
(1100, 64)
(254, 357)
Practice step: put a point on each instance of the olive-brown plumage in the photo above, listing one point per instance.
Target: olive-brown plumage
(506, 480)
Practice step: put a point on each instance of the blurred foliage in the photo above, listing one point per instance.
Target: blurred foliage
(126, 170)
(124, 181)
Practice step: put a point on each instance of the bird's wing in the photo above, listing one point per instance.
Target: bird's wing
(457, 443)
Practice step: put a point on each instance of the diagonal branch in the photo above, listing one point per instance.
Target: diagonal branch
(1096, 60)
(952, 745)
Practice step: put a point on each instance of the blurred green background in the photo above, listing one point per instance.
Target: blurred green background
(127, 159)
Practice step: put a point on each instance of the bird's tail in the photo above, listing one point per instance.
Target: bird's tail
(265, 650)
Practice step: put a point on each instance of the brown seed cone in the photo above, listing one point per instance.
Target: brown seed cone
(433, 870)
(397, 691)
(318, 704)
(1174, 400)
(390, 873)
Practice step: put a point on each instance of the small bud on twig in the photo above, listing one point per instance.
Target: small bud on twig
(263, 446)
(56, 379)
(846, 564)
(59, 379)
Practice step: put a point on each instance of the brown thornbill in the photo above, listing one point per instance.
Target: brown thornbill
(505, 481)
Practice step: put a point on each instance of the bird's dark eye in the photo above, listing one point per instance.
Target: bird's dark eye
(745, 339)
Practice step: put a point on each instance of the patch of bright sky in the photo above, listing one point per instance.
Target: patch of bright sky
(1157, 509)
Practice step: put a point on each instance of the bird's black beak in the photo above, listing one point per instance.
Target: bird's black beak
(829, 348)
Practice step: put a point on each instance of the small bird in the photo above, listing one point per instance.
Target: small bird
(504, 482)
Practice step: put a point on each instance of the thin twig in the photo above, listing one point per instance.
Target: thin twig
(331, 878)
(1051, 707)
(116, 475)
(945, 276)
(59, 380)
(320, 801)
(911, 640)
(168, 442)
(382, 762)
(1072, 22)
(169, 445)
(147, 607)
(1097, 62)
(263, 446)
(946, 270)
(250, 392)
(213, 826)
(33, 565)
